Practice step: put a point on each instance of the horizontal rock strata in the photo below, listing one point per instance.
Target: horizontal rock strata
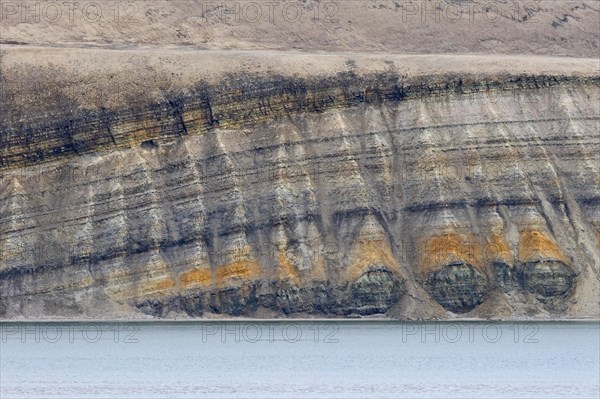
(435, 197)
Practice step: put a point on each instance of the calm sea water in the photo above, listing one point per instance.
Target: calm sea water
(300, 360)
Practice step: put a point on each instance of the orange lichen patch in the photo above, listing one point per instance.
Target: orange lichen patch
(286, 271)
(497, 249)
(437, 251)
(368, 253)
(195, 278)
(241, 269)
(535, 245)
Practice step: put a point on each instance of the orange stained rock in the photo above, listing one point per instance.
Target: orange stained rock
(240, 269)
(368, 253)
(535, 245)
(497, 249)
(437, 251)
(286, 270)
(198, 277)
(165, 283)
(159, 286)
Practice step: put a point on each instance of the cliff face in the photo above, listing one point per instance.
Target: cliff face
(423, 197)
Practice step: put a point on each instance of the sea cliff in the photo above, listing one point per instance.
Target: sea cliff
(412, 196)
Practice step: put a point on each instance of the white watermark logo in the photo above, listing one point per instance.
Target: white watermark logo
(91, 333)
(135, 12)
(453, 333)
(55, 12)
(228, 332)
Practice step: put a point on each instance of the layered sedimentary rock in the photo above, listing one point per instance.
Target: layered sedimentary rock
(337, 195)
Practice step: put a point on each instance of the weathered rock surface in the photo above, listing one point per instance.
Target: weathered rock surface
(177, 159)
(375, 291)
(548, 277)
(327, 195)
(458, 287)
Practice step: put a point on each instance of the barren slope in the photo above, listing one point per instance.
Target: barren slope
(544, 27)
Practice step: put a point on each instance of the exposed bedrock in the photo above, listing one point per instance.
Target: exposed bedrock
(503, 275)
(328, 198)
(458, 287)
(547, 277)
(375, 291)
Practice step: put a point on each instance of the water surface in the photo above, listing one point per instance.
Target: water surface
(300, 360)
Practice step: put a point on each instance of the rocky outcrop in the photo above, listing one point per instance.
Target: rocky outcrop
(334, 195)
(547, 278)
(458, 287)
